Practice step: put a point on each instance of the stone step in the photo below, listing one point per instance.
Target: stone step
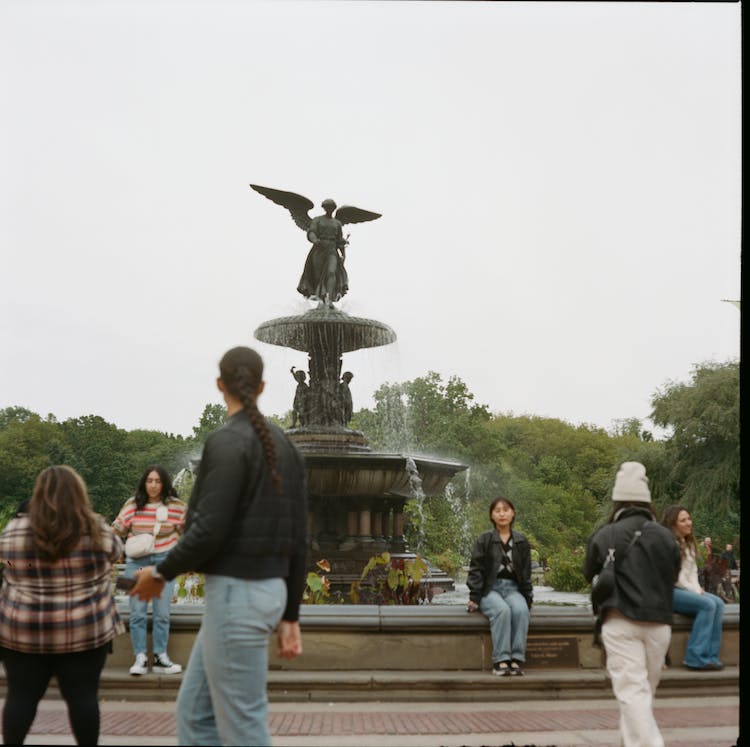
(424, 685)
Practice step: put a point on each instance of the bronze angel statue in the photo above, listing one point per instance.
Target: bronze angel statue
(324, 278)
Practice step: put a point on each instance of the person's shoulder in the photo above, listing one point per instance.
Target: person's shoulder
(129, 504)
(104, 525)
(227, 434)
(19, 526)
(19, 522)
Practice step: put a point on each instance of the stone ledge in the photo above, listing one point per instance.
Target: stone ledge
(347, 638)
(435, 617)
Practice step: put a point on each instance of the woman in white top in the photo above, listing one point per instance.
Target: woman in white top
(690, 598)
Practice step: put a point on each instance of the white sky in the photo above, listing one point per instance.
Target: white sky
(559, 184)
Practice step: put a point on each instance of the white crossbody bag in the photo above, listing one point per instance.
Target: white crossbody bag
(140, 545)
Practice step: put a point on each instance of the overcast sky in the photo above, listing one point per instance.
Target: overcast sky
(559, 185)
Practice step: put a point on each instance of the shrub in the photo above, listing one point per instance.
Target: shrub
(565, 572)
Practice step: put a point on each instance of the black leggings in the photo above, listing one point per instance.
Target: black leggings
(28, 676)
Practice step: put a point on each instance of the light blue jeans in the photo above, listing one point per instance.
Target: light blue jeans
(508, 613)
(139, 608)
(705, 637)
(222, 698)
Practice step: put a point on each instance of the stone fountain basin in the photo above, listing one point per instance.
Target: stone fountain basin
(375, 474)
(325, 328)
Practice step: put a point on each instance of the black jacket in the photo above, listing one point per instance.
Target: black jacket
(486, 558)
(645, 577)
(237, 525)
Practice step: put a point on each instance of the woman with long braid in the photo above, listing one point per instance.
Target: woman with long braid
(246, 531)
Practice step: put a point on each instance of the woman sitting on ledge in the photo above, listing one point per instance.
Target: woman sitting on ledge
(499, 584)
(691, 599)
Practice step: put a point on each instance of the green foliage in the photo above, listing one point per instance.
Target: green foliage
(283, 421)
(703, 451)
(28, 444)
(189, 587)
(387, 580)
(426, 416)
(565, 572)
(318, 586)
(435, 526)
(212, 417)
(451, 562)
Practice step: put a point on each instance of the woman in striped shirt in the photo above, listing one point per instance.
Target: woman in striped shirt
(57, 614)
(155, 502)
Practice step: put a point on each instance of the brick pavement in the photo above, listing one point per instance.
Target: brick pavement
(684, 721)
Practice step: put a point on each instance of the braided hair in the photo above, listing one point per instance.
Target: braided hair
(241, 370)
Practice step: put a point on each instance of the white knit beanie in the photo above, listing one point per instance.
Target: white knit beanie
(631, 483)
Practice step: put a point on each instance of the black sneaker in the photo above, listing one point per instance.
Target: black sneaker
(516, 670)
(501, 668)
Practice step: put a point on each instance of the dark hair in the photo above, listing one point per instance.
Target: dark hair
(167, 489)
(241, 370)
(670, 522)
(618, 505)
(60, 513)
(502, 499)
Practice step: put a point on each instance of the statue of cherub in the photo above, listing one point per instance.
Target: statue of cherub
(324, 278)
(300, 408)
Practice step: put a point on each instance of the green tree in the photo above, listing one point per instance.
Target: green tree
(147, 447)
(14, 415)
(212, 417)
(27, 445)
(98, 451)
(702, 459)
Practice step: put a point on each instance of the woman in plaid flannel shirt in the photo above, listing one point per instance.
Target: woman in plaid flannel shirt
(57, 613)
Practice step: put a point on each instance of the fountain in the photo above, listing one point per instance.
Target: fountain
(357, 496)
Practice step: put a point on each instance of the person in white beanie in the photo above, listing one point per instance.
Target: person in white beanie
(636, 617)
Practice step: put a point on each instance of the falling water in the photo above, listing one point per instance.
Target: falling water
(460, 508)
(415, 484)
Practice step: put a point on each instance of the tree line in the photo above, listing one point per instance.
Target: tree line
(558, 474)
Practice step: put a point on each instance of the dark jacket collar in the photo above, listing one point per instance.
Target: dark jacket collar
(627, 512)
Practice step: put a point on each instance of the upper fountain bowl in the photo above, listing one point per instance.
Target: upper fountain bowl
(303, 332)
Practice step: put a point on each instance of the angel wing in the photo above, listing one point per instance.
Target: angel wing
(349, 214)
(297, 205)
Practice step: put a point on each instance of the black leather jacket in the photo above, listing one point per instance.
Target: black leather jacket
(645, 576)
(237, 525)
(486, 558)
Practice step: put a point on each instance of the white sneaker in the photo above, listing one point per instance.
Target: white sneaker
(141, 664)
(164, 665)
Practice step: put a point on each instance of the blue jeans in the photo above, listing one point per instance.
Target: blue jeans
(138, 609)
(508, 613)
(222, 698)
(705, 637)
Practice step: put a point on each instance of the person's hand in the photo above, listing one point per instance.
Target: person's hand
(146, 586)
(289, 639)
(472, 606)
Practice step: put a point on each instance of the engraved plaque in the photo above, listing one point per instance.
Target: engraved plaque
(552, 651)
